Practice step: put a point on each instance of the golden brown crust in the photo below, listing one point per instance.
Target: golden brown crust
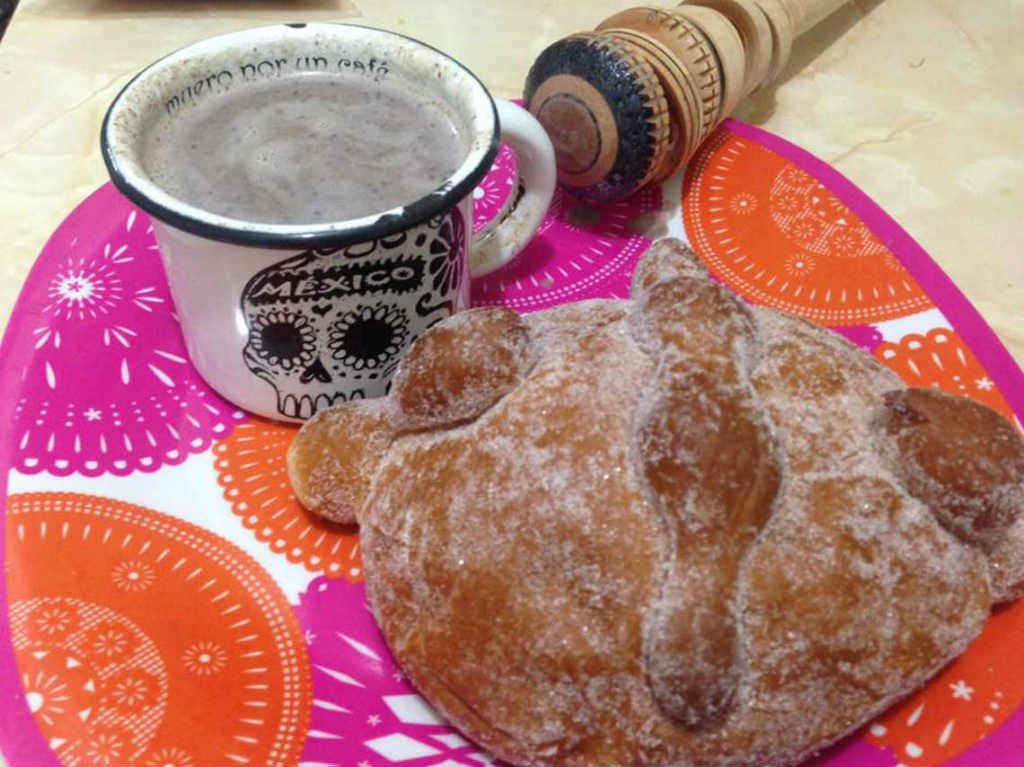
(712, 472)
(666, 261)
(714, 488)
(482, 567)
(486, 353)
(959, 457)
(853, 597)
(333, 458)
(677, 530)
(1006, 565)
(692, 322)
(821, 392)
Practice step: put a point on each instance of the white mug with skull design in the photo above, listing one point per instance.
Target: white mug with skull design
(287, 320)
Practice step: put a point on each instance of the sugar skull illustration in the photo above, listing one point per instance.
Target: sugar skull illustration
(326, 326)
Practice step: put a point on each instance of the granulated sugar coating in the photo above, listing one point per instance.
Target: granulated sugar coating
(670, 530)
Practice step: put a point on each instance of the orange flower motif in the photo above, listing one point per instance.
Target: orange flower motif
(131, 691)
(252, 468)
(789, 201)
(743, 204)
(109, 642)
(806, 231)
(47, 696)
(133, 576)
(108, 746)
(799, 265)
(170, 757)
(846, 243)
(54, 620)
(205, 658)
(940, 358)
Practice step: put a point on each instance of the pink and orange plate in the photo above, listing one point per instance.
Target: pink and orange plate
(167, 600)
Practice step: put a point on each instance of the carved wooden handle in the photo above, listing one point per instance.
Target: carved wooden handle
(628, 104)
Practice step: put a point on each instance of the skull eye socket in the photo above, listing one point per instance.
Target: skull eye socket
(369, 337)
(284, 339)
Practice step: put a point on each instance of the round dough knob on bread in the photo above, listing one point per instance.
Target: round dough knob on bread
(961, 458)
(486, 353)
(332, 460)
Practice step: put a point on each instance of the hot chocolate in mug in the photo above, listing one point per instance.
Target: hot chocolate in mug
(287, 319)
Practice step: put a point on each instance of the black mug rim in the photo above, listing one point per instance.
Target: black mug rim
(327, 234)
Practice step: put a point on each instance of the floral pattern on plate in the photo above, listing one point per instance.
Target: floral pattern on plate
(777, 236)
(126, 623)
(940, 358)
(109, 387)
(582, 250)
(364, 710)
(252, 467)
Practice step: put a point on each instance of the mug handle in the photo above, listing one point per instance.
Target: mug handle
(504, 237)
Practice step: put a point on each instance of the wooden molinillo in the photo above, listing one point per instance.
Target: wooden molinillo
(627, 104)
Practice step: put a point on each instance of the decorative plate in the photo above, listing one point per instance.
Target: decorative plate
(166, 601)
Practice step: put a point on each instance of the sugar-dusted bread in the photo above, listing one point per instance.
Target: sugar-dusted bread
(669, 530)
